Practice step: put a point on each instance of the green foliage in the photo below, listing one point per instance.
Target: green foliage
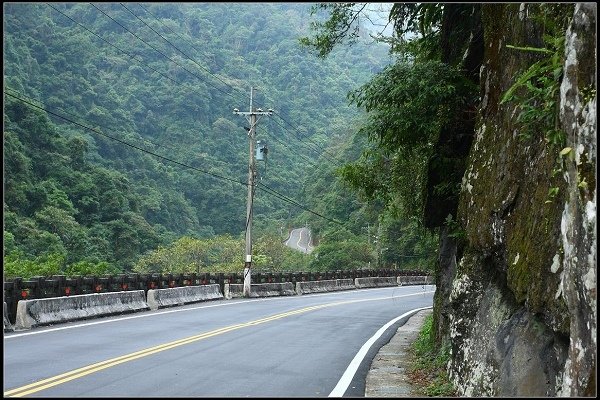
(87, 268)
(72, 192)
(536, 90)
(455, 230)
(422, 20)
(429, 363)
(187, 255)
(341, 250)
(296, 261)
(271, 254)
(343, 24)
(407, 245)
(15, 265)
(407, 104)
(220, 254)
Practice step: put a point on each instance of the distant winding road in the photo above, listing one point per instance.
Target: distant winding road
(300, 239)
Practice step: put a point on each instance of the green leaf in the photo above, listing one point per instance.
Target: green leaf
(534, 49)
(565, 151)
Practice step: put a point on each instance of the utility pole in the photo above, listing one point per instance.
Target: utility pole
(252, 117)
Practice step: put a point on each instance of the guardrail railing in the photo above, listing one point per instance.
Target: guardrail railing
(39, 287)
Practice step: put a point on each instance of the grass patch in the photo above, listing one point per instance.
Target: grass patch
(428, 368)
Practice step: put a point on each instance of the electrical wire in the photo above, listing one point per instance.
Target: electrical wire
(163, 54)
(229, 94)
(140, 60)
(191, 44)
(263, 187)
(314, 146)
(206, 69)
(122, 141)
(123, 51)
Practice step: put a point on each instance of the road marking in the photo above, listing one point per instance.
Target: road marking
(299, 240)
(90, 369)
(162, 312)
(288, 240)
(346, 378)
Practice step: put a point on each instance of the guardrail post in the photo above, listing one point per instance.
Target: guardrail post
(15, 287)
(36, 287)
(61, 281)
(221, 281)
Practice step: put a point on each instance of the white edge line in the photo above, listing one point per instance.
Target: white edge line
(299, 240)
(228, 303)
(346, 378)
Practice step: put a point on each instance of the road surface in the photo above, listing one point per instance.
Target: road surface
(300, 239)
(307, 346)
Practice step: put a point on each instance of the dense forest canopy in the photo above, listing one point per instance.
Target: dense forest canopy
(147, 91)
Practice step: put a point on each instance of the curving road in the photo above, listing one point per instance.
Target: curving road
(307, 346)
(300, 239)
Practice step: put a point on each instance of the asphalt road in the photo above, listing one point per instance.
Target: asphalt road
(271, 347)
(300, 240)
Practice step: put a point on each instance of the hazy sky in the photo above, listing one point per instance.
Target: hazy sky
(378, 14)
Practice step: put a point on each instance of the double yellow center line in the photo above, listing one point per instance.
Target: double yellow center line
(90, 369)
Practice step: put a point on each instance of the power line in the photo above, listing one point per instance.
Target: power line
(124, 142)
(140, 60)
(191, 44)
(313, 148)
(123, 51)
(263, 187)
(294, 202)
(314, 144)
(161, 53)
(206, 69)
(297, 204)
(142, 139)
(131, 56)
(313, 162)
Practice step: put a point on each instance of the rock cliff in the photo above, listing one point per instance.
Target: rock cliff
(520, 292)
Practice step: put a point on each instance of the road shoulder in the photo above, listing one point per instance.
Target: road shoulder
(387, 376)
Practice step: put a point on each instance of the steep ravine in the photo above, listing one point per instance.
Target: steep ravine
(520, 292)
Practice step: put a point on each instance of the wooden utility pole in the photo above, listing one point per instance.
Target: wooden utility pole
(252, 117)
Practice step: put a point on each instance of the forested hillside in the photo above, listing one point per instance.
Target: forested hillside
(148, 150)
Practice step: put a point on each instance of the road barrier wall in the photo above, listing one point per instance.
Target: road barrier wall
(415, 280)
(377, 281)
(324, 286)
(17, 289)
(235, 290)
(160, 298)
(31, 313)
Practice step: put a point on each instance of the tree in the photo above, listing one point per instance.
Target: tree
(421, 109)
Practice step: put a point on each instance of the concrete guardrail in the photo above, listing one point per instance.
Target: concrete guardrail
(415, 280)
(324, 286)
(377, 281)
(31, 313)
(160, 298)
(234, 290)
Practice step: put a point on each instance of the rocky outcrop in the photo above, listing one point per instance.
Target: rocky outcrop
(521, 311)
(577, 266)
